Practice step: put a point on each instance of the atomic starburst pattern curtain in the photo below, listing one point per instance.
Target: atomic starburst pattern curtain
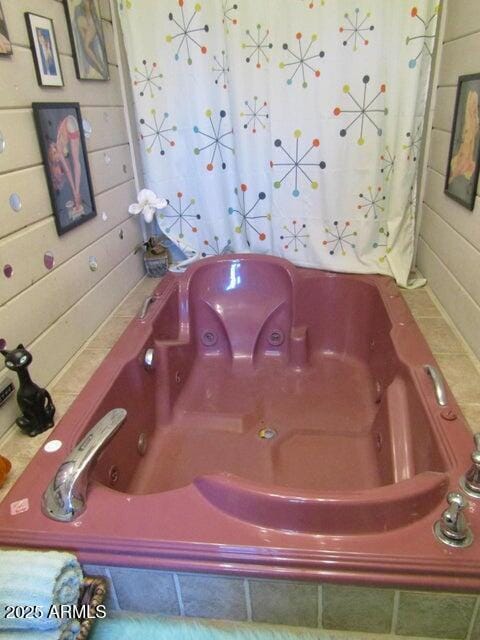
(290, 127)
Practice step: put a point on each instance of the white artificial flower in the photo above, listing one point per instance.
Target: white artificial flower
(148, 203)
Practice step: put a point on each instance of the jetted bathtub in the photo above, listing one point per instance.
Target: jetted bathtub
(285, 427)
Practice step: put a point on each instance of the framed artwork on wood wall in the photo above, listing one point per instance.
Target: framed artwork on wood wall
(45, 53)
(5, 44)
(464, 154)
(87, 38)
(64, 154)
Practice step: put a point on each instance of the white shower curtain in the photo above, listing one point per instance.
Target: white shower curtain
(289, 127)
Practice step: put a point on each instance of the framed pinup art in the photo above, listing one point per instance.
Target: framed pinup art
(5, 44)
(45, 52)
(464, 154)
(88, 40)
(64, 154)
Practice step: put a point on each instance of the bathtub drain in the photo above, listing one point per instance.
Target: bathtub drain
(267, 434)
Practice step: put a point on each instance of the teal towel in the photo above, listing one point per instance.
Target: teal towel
(134, 626)
(38, 578)
(68, 632)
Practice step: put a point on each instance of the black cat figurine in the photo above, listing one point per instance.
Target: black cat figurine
(36, 404)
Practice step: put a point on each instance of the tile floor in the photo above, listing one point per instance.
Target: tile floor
(458, 363)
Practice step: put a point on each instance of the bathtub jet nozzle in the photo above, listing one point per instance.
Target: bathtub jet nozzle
(453, 528)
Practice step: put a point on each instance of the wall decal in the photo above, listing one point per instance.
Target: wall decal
(64, 154)
(8, 270)
(48, 260)
(15, 202)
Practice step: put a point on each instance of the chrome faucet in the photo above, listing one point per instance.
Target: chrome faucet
(66, 495)
(470, 482)
(453, 528)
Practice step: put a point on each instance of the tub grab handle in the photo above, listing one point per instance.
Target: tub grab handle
(66, 496)
(146, 304)
(438, 384)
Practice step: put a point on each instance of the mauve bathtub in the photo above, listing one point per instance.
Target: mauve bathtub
(349, 484)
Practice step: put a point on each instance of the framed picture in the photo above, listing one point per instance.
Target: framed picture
(464, 154)
(45, 52)
(88, 40)
(64, 154)
(5, 44)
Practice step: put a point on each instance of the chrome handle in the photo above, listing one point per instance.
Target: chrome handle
(438, 384)
(453, 528)
(65, 497)
(470, 482)
(146, 303)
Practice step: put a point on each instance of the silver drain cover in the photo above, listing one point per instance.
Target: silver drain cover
(267, 433)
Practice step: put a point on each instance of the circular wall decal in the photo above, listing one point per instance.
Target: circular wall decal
(48, 260)
(15, 202)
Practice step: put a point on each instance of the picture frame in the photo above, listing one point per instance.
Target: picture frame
(5, 44)
(64, 153)
(89, 51)
(43, 43)
(464, 153)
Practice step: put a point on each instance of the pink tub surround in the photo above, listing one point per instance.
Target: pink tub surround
(283, 426)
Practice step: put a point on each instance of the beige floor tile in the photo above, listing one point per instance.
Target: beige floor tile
(110, 333)
(62, 403)
(462, 376)
(472, 414)
(439, 336)
(131, 306)
(79, 372)
(18, 444)
(421, 304)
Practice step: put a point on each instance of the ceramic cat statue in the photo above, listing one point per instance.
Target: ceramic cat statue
(36, 404)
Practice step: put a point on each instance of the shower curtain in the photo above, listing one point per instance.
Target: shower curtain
(286, 127)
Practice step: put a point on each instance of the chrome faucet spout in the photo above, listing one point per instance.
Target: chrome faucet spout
(66, 496)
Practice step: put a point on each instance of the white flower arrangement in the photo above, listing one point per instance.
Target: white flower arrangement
(148, 203)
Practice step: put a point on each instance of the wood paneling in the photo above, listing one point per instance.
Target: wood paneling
(22, 149)
(444, 105)
(457, 254)
(460, 306)
(30, 185)
(466, 223)
(463, 17)
(25, 250)
(19, 87)
(449, 243)
(54, 312)
(459, 57)
(14, 15)
(29, 314)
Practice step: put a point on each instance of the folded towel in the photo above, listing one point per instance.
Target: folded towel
(38, 579)
(132, 627)
(67, 632)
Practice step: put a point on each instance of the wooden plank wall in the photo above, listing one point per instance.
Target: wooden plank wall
(55, 311)
(449, 242)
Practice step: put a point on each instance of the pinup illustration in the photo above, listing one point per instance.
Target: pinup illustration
(5, 44)
(89, 41)
(462, 170)
(46, 52)
(66, 162)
